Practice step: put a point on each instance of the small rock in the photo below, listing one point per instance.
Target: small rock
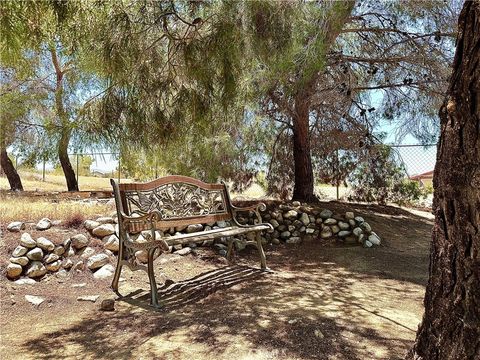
(22, 260)
(344, 233)
(36, 269)
(349, 215)
(51, 258)
(294, 240)
(366, 227)
(111, 243)
(54, 266)
(59, 250)
(104, 272)
(343, 225)
(25, 281)
(309, 231)
(86, 252)
(35, 254)
(105, 220)
(62, 273)
(142, 256)
(16, 226)
(325, 214)
(318, 334)
(35, 300)
(66, 243)
(79, 241)
(44, 224)
(45, 244)
(56, 222)
(274, 223)
(326, 233)
(275, 241)
(222, 224)
(359, 219)
(14, 270)
(367, 244)
(91, 298)
(194, 228)
(27, 241)
(296, 203)
(107, 305)
(318, 221)
(19, 251)
(97, 261)
(239, 245)
(357, 231)
(335, 229)
(103, 230)
(305, 219)
(78, 265)
(67, 264)
(184, 251)
(291, 215)
(90, 224)
(374, 239)
(330, 221)
(285, 235)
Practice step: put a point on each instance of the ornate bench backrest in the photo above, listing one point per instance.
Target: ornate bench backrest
(180, 200)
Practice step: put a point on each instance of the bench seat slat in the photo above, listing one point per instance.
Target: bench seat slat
(215, 233)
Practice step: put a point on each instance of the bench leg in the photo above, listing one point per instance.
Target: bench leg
(118, 271)
(151, 277)
(263, 259)
(230, 249)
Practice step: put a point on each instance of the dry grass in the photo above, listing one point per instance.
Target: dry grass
(30, 209)
(33, 182)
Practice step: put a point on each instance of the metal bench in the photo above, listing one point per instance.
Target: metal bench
(173, 202)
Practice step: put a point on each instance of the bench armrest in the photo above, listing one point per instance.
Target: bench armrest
(129, 223)
(256, 208)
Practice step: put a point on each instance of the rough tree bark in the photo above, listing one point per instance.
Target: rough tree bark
(10, 171)
(304, 180)
(303, 189)
(450, 327)
(65, 130)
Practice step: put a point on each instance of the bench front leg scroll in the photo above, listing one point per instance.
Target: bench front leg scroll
(263, 259)
(151, 277)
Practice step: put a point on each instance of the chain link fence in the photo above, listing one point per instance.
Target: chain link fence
(94, 169)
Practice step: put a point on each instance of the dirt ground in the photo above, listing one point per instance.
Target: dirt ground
(322, 301)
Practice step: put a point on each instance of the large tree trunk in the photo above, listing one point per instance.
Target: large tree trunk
(68, 171)
(10, 171)
(451, 324)
(65, 129)
(303, 189)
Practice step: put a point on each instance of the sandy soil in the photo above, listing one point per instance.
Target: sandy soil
(322, 301)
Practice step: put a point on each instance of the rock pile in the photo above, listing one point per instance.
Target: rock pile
(292, 223)
(35, 258)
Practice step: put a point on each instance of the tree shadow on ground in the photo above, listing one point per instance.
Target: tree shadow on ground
(320, 302)
(287, 315)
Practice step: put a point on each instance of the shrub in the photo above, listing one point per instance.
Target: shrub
(380, 179)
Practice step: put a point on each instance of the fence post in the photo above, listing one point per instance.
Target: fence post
(16, 162)
(77, 171)
(119, 163)
(43, 172)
